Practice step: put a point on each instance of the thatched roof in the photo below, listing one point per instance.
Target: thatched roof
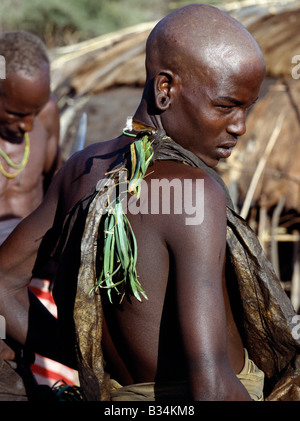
(92, 66)
(90, 77)
(278, 38)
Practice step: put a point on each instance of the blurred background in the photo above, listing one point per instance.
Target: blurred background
(97, 57)
(70, 21)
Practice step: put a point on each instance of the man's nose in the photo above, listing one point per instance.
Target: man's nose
(238, 124)
(26, 123)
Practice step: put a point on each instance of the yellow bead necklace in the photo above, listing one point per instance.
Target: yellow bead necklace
(20, 167)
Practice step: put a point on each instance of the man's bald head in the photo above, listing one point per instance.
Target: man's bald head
(198, 32)
(204, 70)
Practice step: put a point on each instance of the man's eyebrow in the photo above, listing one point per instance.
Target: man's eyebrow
(229, 99)
(233, 100)
(16, 113)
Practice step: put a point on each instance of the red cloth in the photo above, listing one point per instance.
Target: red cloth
(47, 371)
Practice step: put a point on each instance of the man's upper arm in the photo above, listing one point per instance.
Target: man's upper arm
(50, 119)
(199, 253)
(17, 257)
(18, 253)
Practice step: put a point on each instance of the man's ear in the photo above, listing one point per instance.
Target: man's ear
(163, 82)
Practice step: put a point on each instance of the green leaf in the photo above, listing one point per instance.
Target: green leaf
(120, 246)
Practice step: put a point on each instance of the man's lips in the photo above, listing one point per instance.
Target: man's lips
(228, 145)
(226, 148)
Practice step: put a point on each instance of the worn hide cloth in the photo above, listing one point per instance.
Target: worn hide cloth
(265, 310)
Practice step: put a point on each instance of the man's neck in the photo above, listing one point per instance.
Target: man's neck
(153, 120)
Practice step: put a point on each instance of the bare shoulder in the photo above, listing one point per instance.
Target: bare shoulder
(177, 170)
(183, 208)
(193, 191)
(49, 114)
(80, 173)
(97, 156)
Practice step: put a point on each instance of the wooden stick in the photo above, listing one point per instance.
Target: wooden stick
(274, 242)
(295, 287)
(260, 167)
(262, 224)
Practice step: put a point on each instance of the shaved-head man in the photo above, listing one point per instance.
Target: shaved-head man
(152, 262)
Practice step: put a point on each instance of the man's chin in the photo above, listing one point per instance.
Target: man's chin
(210, 162)
(13, 138)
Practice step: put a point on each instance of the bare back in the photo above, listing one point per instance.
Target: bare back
(148, 335)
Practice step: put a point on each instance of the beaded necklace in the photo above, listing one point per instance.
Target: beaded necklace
(20, 166)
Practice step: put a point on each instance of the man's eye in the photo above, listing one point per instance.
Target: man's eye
(15, 115)
(10, 116)
(225, 107)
